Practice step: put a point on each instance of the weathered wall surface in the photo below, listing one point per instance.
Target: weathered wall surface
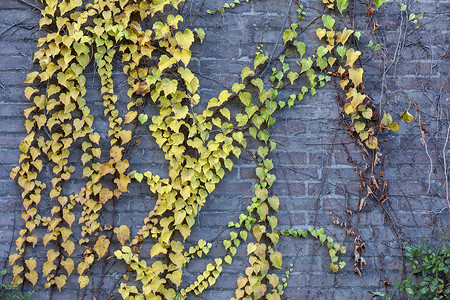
(314, 176)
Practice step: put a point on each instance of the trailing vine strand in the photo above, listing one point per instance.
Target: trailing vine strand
(200, 148)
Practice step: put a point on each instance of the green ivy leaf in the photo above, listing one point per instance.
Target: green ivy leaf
(143, 118)
(378, 3)
(301, 48)
(200, 33)
(341, 5)
(328, 21)
(289, 35)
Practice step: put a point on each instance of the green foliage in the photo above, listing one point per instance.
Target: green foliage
(11, 292)
(430, 270)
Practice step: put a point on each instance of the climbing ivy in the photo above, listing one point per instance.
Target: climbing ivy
(200, 147)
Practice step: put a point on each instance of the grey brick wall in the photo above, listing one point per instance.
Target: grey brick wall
(314, 176)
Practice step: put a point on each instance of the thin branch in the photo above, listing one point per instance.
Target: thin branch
(445, 168)
(278, 41)
(30, 4)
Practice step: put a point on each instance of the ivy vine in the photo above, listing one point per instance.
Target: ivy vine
(200, 147)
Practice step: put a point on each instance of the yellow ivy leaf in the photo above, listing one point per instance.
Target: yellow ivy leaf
(186, 56)
(407, 117)
(277, 259)
(29, 91)
(251, 248)
(83, 281)
(31, 77)
(101, 246)
(156, 249)
(356, 76)
(372, 142)
(122, 182)
(68, 265)
(165, 62)
(177, 258)
(185, 39)
(69, 218)
(225, 112)
(321, 32)
(273, 279)
(31, 263)
(48, 267)
(331, 61)
(13, 258)
(32, 277)
(60, 281)
(394, 127)
(130, 116)
(52, 255)
(123, 234)
(68, 246)
(180, 111)
(343, 83)
(246, 72)
(359, 126)
(175, 277)
(228, 259)
(105, 195)
(125, 136)
(352, 56)
(95, 137)
(342, 37)
(17, 270)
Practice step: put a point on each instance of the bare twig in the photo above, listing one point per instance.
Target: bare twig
(445, 168)
(30, 4)
(278, 41)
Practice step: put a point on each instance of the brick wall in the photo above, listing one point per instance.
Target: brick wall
(314, 176)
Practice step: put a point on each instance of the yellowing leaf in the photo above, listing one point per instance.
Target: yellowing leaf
(321, 32)
(359, 126)
(352, 56)
(185, 39)
(394, 127)
(31, 77)
(407, 117)
(200, 33)
(130, 116)
(156, 249)
(342, 37)
(12, 258)
(356, 76)
(83, 281)
(372, 142)
(68, 265)
(32, 277)
(175, 277)
(101, 246)
(60, 281)
(31, 263)
(225, 112)
(251, 248)
(125, 136)
(68, 246)
(48, 267)
(123, 234)
(277, 259)
(52, 255)
(246, 72)
(29, 91)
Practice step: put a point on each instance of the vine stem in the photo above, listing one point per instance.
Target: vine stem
(278, 41)
(445, 168)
